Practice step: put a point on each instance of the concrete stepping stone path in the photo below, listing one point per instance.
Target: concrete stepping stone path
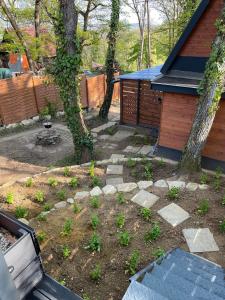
(114, 170)
(177, 184)
(103, 127)
(127, 187)
(109, 190)
(96, 191)
(145, 199)
(173, 214)
(117, 156)
(81, 195)
(131, 149)
(161, 184)
(121, 135)
(143, 185)
(145, 150)
(114, 181)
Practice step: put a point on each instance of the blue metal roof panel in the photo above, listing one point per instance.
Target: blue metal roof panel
(148, 74)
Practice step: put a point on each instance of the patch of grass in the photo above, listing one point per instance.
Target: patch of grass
(144, 160)
(217, 181)
(95, 274)
(145, 213)
(111, 130)
(204, 178)
(86, 297)
(120, 220)
(173, 193)
(120, 198)
(66, 251)
(96, 181)
(159, 252)
(67, 228)
(153, 234)
(62, 282)
(223, 201)
(74, 182)
(21, 212)
(94, 243)
(48, 207)
(41, 236)
(61, 194)
(95, 202)
(67, 171)
(9, 198)
(203, 207)
(222, 226)
(76, 208)
(92, 169)
(132, 263)
(95, 222)
(124, 238)
(39, 196)
(131, 163)
(41, 217)
(29, 182)
(148, 171)
(53, 182)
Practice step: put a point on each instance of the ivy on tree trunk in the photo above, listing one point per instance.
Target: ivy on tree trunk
(210, 90)
(110, 58)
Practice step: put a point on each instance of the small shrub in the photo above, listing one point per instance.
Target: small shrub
(96, 181)
(86, 297)
(66, 251)
(131, 163)
(9, 198)
(67, 172)
(111, 130)
(41, 217)
(92, 169)
(73, 182)
(203, 207)
(223, 201)
(132, 264)
(67, 228)
(148, 171)
(95, 274)
(217, 181)
(173, 193)
(124, 238)
(95, 222)
(61, 195)
(53, 182)
(153, 234)
(41, 236)
(29, 182)
(120, 221)
(95, 202)
(159, 252)
(76, 208)
(204, 178)
(62, 282)
(48, 207)
(222, 226)
(21, 212)
(39, 196)
(120, 198)
(94, 243)
(146, 213)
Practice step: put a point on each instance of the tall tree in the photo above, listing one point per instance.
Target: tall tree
(211, 89)
(110, 58)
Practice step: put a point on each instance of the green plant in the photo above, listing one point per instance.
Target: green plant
(48, 207)
(95, 202)
(203, 207)
(94, 243)
(44, 112)
(66, 251)
(124, 238)
(148, 171)
(67, 172)
(204, 178)
(217, 182)
(52, 109)
(95, 222)
(10, 198)
(131, 163)
(153, 234)
(21, 212)
(39, 196)
(146, 213)
(120, 220)
(132, 263)
(73, 182)
(86, 297)
(53, 182)
(61, 195)
(95, 274)
(159, 252)
(41, 236)
(144, 160)
(120, 198)
(76, 208)
(173, 193)
(62, 282)
(95, 181)
(161, 163)
(134, 173)
(222, 226)
(29, 182)
(92, 169)
(67, 228)
(223, 201)
(111, 130)
(41, 217)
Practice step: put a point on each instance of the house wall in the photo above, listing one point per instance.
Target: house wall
(178, 112)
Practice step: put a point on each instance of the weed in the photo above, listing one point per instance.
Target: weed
(159, 252)
(29, 182)
(146, 213)
(86, 297)
(148, 171)
(204, 178)
(173, 193)
(161, 163)
(39, 196)
(132, 264)
(95, 222)
(47, 207)
(111, 130)
(73, 182)
(21, 212)
(124, 238)
(94, 243)
(203, 207)
(120, 198)
(222, 226)
(223, 201)
(134, 173)
(76, 208)
(153, 234)
(41, 217)
(10, 198)
(66, 251)
(62, 282)
(120, 221)
(92, 169)
(61, 195)
(95, 202)
(144, 160)
(95, 274)
(217, 179)
(41, 236)
(53, 182)
(67, 228)
(131, 163)
(67, 172)
(96, 181)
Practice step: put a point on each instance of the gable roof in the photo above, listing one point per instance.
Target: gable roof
(187, 32)
(147, 74)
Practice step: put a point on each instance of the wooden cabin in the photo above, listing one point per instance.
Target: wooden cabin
(178, 82)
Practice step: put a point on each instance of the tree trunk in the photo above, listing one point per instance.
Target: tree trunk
(211, 89)
(37, 10)
(149, 35)
(103, 113)
(19, 34)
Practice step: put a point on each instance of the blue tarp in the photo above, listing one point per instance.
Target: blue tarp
(148, 74)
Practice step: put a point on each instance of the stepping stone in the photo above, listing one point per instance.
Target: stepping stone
(126, 187)
(192, 187)
(203, 187)
(173, 214)
(114, 170)
(200, 240)
(109, 190)
(131, 149)
(81, 195)
(95, 135)
(24, 221)
(104, 137)
(60, 205)
(121, 135)
(96, 191)
(117, 156)
(145, 199)
(161, 184)
(145, 150)
(110, 146)
(114, 181)
(143, 185)
(103, 127)
(70, 200)
(176, 184)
